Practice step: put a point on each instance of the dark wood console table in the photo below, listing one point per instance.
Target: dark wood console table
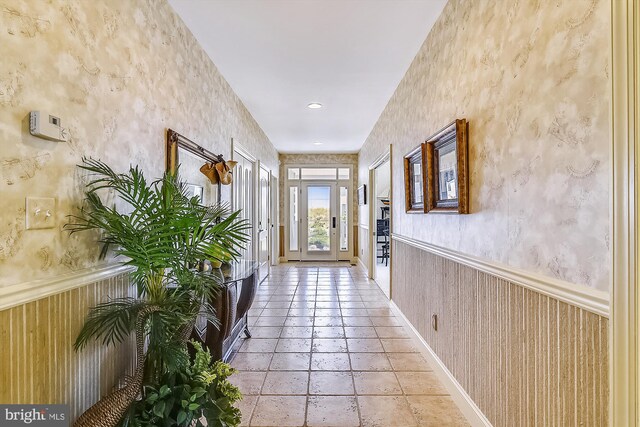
(239, 285)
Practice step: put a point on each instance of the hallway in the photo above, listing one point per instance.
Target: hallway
(328, 351)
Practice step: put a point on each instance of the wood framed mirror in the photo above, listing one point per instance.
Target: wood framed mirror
(414, 182)
(447, 174)
(189, 156)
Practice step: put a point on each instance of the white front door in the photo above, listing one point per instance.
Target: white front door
(318, 221)
(264, 208)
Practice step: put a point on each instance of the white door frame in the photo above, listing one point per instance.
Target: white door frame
(341, 255)
(237, 148)
(624, 357)
(262, 168)
(275, 220)
(303, 238)
(381, 159)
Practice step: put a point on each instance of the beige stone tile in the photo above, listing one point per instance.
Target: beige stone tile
(420, 383)
(299, 321)
(331, 383)
(385, 411)
(328, 321)
(364, 345)
(301, 312)
(378, 383)
(334, 411)
(290, 362)
(436, 411)
(286, 382)
(360, 332)
(266, 331)
(249, 382)
(357, 321)
(293, 345)
(246, 406)
(369, 362)
(279, 411)
(270, 321)
(408, 362)
(297, 332)
(385, 321)
(329, 345)
(393, 345)
(328, 332)
(251, 361)
(354, 312)
(391, 332)
(258, 345)
(380, 312)
(330, 362)
(274, 312)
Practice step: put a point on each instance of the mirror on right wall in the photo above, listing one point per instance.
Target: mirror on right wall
(447, 169)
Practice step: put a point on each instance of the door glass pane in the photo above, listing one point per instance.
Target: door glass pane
(318, 173)
(293, 218)
(294, 173)
(343, 173)
(344, 219)
(318, 213)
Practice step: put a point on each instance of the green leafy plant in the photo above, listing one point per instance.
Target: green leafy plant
(198, 392)
(164, 233)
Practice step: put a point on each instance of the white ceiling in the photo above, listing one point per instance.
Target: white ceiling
(281, 55)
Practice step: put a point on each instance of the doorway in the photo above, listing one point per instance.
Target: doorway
(243, 196)
(264, 223)
(318, 213)
(380, 212)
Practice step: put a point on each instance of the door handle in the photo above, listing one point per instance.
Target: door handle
(334, 222)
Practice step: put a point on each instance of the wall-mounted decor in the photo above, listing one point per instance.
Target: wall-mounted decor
(414, 181)
(447, 176)
(197, 166)
(362, 194)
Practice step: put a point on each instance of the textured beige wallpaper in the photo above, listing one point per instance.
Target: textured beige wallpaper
(532, 79)
(118, 73)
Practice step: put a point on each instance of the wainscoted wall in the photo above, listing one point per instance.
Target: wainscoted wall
(532, 79)
(523, 357)
(118, 73)
(37, 361)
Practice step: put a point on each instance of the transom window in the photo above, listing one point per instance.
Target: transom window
(318, 173)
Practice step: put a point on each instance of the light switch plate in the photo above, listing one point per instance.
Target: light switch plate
(40, 213)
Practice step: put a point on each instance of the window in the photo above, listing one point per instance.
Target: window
(318, 173)
(343, 173)
(344, 219)
(293, 219)
(293, 173)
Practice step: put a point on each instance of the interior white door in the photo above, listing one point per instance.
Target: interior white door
(264, 227)
(243, 197)
(319, 222)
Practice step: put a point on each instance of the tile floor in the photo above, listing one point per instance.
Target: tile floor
(328, 351)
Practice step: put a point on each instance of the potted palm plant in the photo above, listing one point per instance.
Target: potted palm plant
(164, 234)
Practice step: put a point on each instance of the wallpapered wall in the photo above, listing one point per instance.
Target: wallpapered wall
(531, 77)
(118, 73)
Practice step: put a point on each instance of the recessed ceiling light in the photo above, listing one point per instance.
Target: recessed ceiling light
(317, 143)
(314, 105)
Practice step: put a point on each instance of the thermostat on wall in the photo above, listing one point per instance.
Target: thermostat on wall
(47, 126)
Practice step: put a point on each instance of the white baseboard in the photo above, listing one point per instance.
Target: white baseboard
(467, 406)
(361, 264)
